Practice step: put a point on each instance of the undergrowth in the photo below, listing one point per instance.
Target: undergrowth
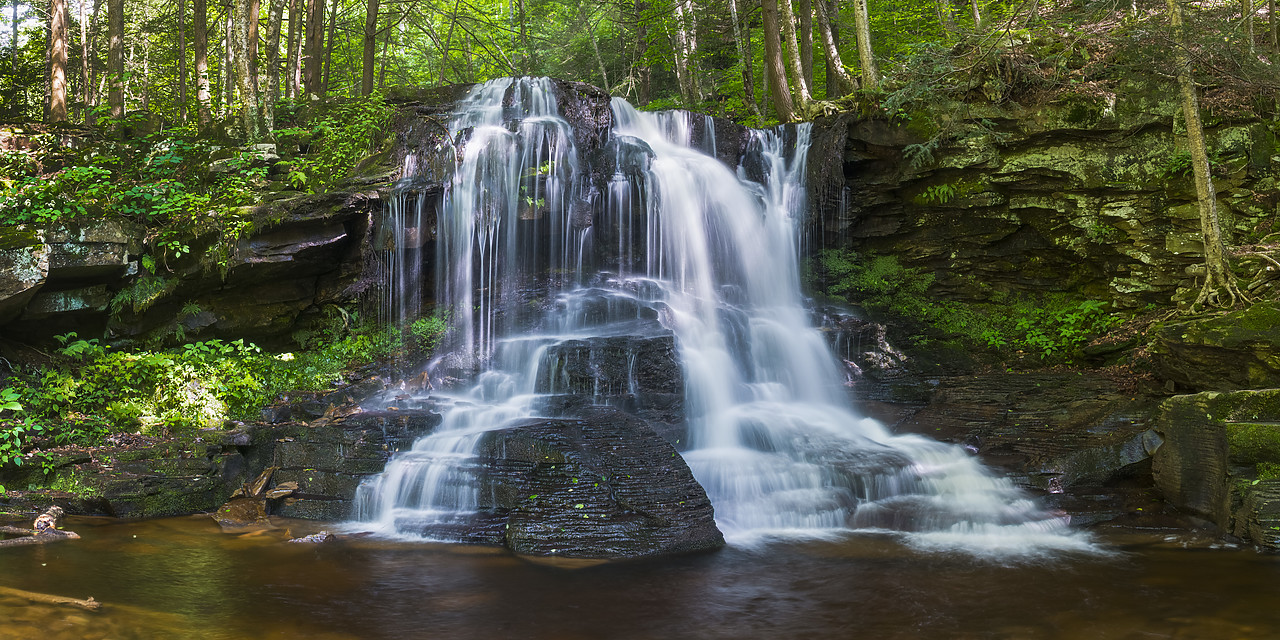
(1053, 327)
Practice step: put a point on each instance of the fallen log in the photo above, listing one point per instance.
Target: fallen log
(46, 530)
(90, 604)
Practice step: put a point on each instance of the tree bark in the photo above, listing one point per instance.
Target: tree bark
(200, 26)
(85, 63)
(244, 81)
(115, 57)
(1274, 36)
(293, 33)
(775, 73)
(806, 41)
(271, 93)
(1247, 9)
(328, 47)
(370, 46)
(839, 82)
(1220, 287)
(867, 60)
(182, 60)
(744, 60)
(643, 72)
(314, 50)
(977, 16)
(58, 31)
(800, 88)
(252, 15)
(680, 52)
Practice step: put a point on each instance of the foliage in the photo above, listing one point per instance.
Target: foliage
(1052, 327)
(343, 133)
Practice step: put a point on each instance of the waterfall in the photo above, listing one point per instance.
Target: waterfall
(674, 245)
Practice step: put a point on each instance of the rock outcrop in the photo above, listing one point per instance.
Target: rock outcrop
(602, 485)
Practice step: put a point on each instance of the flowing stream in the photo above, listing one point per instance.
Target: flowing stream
(541, 268)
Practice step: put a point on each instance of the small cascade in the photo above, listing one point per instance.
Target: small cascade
(561, 282)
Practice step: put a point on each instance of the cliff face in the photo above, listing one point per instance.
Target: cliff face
(1092, 196)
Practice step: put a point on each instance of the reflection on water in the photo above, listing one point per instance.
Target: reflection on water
(182, 578)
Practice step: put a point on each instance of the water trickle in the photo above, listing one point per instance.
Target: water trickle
(557, 286)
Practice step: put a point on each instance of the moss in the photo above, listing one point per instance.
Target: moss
(1253, 443)
(17, 238)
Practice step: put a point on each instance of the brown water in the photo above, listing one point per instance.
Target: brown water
(183, 578)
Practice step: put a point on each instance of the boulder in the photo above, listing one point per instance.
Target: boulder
(602, 485)
(24, 268)
(1237, 350)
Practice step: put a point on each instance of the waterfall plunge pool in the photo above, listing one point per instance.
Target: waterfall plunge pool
(184, 578)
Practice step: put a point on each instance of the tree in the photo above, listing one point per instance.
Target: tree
(370, 41)
(800, 88)
(271, 94)
(862, 25)
(238, 36)
(744, 59)
(313, 52)
(839, 82)
(1220, 288)
(58, 31)
(775, 73)
(200, 27)
(115, 57)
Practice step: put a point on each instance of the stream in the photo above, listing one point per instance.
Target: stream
(183, 577)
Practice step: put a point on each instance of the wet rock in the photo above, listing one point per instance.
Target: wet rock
(315, 538)
(243, 512)
(611, 366)
(1257, 518)
(602, 485)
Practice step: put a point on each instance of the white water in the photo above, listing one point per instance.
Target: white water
(708, 255)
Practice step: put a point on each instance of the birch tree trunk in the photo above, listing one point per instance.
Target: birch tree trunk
(867, 60)
(806, 41)
(1220, 287)
(200, 26)
(775, 73)
(977, 16)
(839, 82)
(328, 47)
(800, 89)
(244, 80)
(58, 31)
(85, 63)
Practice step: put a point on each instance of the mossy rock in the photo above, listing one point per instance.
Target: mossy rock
(1237, 350)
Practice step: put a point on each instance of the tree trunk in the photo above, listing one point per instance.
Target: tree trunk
(801, 88)
(806, 41)
(977, 15)
(314, 50)
(527, 52)
(252, 15)
(680, 52)
(239, 34)
(297, 38)
(744, 60)
(839, 82)
(200, 26)
(946, 18)
(1247, 9)
(1220, 287)
(775, 73)
(288, 48)
(229, 62)
(85, 63)
(644, 74)
(115, 57)
(13, 60)
(861, 24)
(182, 60)
(370, 46)
(328, 47)
(58, 32)
(1272, 24)
(271, 94)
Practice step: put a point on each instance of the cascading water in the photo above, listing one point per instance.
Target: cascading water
(690, 249)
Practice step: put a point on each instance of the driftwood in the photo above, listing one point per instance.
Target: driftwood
(46, 530)
(89, 604)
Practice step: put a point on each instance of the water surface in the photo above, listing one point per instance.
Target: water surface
(183, 578)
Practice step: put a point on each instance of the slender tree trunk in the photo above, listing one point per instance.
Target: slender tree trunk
(527, 55)
(1272, 24)
(370, 46)
(800, 87)
(1220, 287)
(252, 15)
(775, 73)
(977, 15)
(680, 53)
(382, 60)
(448, 43)
(239, 34)
(271, 94)
(58, 32)
(314, 50)
(200, 26)
(229, 62)
(86, 85)
(328, 47)
(862, 25)
(643, 70)
(182, 60)
(839, 82)
(1247, 8)
(115, 57)
(947, 18)
(13, 60)
(744, 60)
(806, 41)
(290, 59)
